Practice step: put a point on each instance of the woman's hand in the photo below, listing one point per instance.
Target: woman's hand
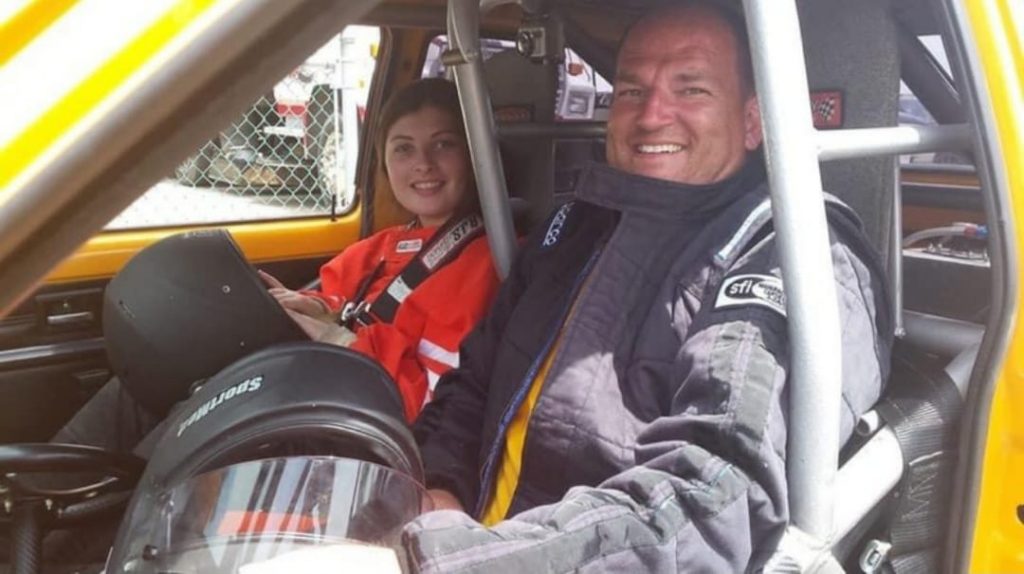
(295, 301)
(309, 313)
(321, 330)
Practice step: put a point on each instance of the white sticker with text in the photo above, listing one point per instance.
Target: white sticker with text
(745, 290)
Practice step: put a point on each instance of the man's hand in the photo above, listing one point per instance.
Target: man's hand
(444, 500)
(295, 301)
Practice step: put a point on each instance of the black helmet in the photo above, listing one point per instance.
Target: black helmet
(301, 444)
(183, 309)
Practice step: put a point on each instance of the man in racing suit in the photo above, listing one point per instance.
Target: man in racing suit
(623, 406)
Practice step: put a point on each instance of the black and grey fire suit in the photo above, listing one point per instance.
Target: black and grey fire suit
(658, 440)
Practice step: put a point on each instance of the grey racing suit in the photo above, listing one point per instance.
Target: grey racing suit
(658, 440)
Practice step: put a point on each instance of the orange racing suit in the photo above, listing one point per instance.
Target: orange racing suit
(422, 342)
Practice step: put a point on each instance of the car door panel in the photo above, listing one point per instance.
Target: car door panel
(52, 353)
(315, 237)
(51, 359)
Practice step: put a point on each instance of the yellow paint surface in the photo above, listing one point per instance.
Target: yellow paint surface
(998, 544)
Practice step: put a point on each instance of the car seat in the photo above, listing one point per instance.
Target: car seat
(523, 91)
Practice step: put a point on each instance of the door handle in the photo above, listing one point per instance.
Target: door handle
(70, 319)
(69, 310)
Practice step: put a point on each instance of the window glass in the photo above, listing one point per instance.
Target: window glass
(291, 154)
(913, 112)
(582, 95)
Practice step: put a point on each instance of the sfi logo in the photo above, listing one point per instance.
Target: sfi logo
(557, 223)
(746, 290)
(450, 240)
(249, 385)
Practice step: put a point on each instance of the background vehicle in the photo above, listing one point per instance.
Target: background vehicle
(59, 190)
(290, 142)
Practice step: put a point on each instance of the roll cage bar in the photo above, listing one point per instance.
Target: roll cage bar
(793, 150)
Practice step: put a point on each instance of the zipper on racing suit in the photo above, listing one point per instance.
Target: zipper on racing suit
(493, 455)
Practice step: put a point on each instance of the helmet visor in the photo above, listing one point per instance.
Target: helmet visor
(247, 516)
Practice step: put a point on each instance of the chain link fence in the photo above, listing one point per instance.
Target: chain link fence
(284, 157)
(282, 149)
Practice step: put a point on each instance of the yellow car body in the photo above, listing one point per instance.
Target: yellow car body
(998, 536)
(69, 200)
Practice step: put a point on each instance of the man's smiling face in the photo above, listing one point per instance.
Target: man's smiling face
(682, 109)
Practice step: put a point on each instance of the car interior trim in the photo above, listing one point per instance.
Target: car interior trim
(968, 53)
(43, 354)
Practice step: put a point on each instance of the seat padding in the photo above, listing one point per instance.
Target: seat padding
(517, 85)
(851, 47)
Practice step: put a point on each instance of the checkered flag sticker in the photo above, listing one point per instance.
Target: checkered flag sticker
(827, 109)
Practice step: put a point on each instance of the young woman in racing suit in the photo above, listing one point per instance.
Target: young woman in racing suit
(426, 158)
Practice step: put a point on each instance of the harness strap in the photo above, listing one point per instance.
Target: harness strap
(923, 411)
(443, 248)
(357, 304)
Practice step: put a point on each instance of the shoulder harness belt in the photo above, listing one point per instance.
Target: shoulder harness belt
(443, 248)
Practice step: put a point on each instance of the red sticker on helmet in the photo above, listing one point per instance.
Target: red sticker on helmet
(827, 109)
(240, 522)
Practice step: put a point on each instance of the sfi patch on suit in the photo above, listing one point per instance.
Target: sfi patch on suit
(827, 109)
(746, 290)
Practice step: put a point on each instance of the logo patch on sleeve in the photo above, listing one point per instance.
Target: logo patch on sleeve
(746, 290)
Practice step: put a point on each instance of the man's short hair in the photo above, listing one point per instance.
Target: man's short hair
(730, 12)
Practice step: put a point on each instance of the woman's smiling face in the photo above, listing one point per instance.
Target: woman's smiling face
(428, 164)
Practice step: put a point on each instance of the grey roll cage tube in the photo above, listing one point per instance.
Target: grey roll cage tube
(793, 149)
(466, 61)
